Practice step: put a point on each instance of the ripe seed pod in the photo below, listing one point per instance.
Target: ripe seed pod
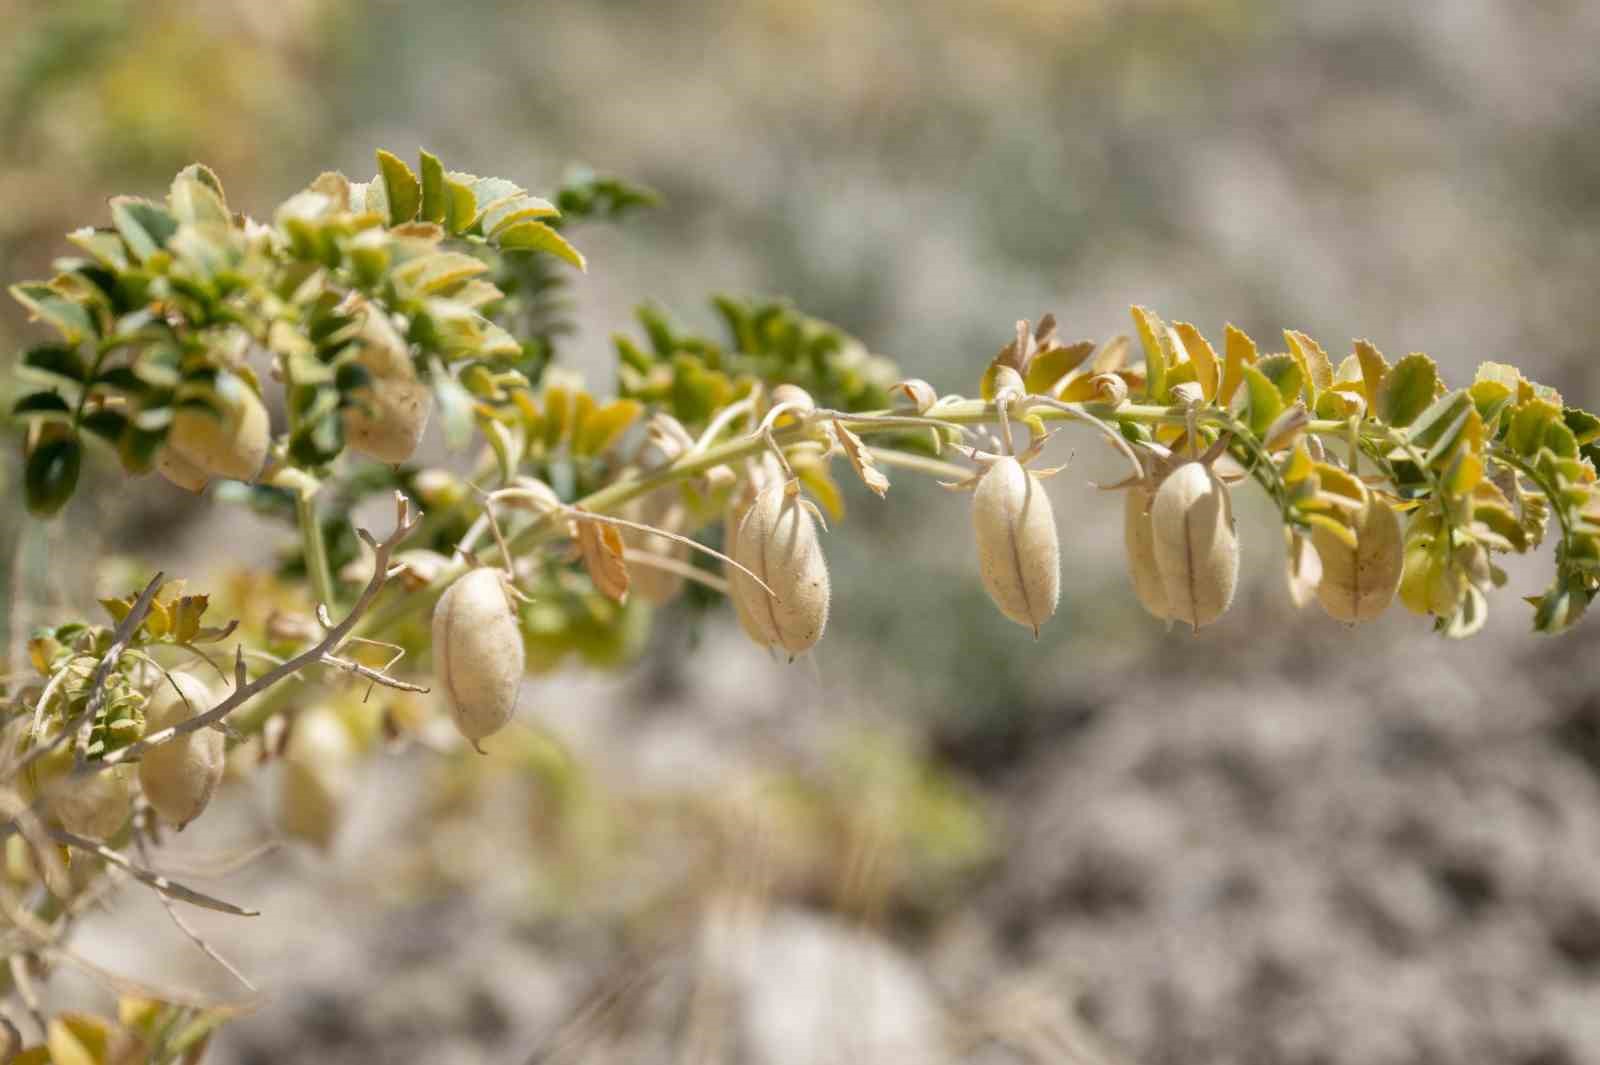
(1197, 550)
(180, 775)
(777, 541)
(230, 441)
(316, 778)
(94, 807)
(1139, 537)
(664, 509)
(1019, 557)
(391, 413)
(477, 653)
(1359, 583)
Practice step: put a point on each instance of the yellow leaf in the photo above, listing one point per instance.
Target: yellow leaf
(1152, 334)
(1311, 356)
(1050, 366)
(1238, 352)
(1340, 531)
(1300, 464)
(1373, 369)
(605, 426)
(1202, 356)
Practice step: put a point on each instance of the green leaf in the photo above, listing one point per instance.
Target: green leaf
(536, 236)
(433, 194)
(145, 227)
(108, 425)
(1585, 426)
(1285, 373)
(53, 362)
(196, 198)
(1436, 429)
(461, 205)
(51, 474)
(47, 406)
(401, 187)
(106, 247)
(70, 319)
(1263, 401)
(1408, 389)
(1529, 424)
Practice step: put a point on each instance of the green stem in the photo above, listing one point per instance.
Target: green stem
(312, 544)
(315, 548)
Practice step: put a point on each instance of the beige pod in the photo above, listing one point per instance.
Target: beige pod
(477, 653)
(180, 775)
(1018, 555)
(777, 541)
(171, 464)
(663, 509)
(1139, 537)
(1197, 550)
(738, 507)
(230, 441)
(315, 780)
(96, 806)
(1359, 583)
(391, 414)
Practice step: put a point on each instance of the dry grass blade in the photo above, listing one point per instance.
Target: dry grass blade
(167, 887)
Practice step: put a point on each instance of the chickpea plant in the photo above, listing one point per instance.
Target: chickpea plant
(364, 311)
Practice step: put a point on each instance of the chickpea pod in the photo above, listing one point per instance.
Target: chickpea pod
(777, 541)
(229, 441)
(1196, 548)
(180, 776)
(478, 653)
(1019, 557)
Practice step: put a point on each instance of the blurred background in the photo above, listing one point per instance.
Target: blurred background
(934, 839)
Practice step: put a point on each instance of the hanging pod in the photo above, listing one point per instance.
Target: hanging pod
(777, 541)
(1139, 538)
(180, 776)
(1196, 547)
(478, 655)
(390, 413)
(229, 438)
(1019, 557)
(96, 806)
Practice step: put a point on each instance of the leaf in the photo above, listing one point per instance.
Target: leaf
(437, 274)
(1239, 351)
(145, 227)
(1585, 426)
(603, 428)
(433, 192)
(50, 475)
(402, 190)
(1314, 360)
(186, 617)
(1374, 368)
(1339, 529)
(1152, 332)
(1053, 364)
(823, 488)
(196, 198)
(1407, 390)
(1202, 356)
(536, 236)
(78, 1039)
(1285, 373)
(600, 547)
(1529, 424)
(1263, 401)
(461, 206)
(72, 320)
(513, 209)
(861, 460)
